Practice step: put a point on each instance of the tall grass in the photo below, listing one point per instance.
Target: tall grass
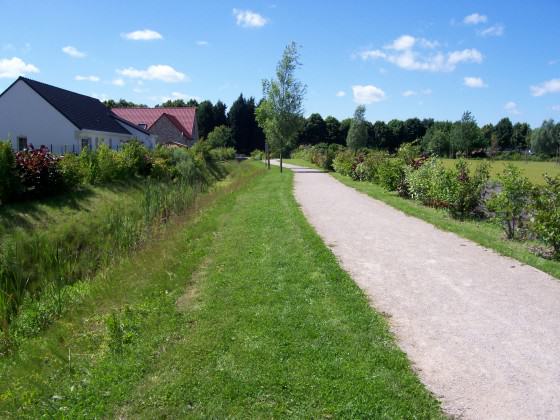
(42, 260)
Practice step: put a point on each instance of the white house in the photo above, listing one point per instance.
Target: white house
(34, 113)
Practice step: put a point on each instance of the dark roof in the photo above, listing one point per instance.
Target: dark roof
(83, 111)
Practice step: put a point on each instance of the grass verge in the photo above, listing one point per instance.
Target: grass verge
(240, 312)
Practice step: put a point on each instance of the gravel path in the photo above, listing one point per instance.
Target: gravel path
(482, 330)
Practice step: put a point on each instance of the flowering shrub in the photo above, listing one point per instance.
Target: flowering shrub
(38, 172)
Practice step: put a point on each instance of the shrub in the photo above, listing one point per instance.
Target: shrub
(430, 183)
(512, 202)
(223, 153)
(38, 172)
(221, 136)
(391, 175)
(71, 170)
(408, 152)
(343, 163)
(107, 164)
(547, 213)
(8, 173)
(257, 155)
(466, 190)
(368, 168)
(134, 159)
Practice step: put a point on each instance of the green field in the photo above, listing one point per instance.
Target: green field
(238, 310)
(532, 170)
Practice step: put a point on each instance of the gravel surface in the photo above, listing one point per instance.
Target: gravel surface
(482, 330)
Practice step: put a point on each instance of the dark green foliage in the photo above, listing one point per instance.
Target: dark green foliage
(547, 214)
(521, 136)
(220, 116)
(9, 180)
(314, 130)
(504, 133)
(321, 154)
(335, 134)
(205, 118)
(465, 136)
(122, 103)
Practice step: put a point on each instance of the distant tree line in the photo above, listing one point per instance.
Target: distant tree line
(443, 138)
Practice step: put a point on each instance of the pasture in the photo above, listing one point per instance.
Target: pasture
(532, 170)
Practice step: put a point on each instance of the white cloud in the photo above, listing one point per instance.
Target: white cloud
(87, 78)
(423, 92)
(100, 96)
(161, 72)
(474, 82)
(550, 86)
(494, 30)
(402, 53)
(367, 94)
(118, 82)
(73, 52)
(142, 35)
(340, 93)
(249, 19)
(14, 67)
(178, 95)
(404, 42)
(511, 107)
(475, 19)
(202, 43)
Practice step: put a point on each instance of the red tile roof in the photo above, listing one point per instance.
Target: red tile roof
(183, 118)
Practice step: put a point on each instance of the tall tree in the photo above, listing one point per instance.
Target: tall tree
(504, 131)
(314, 130)
(220, 117)
(395, 135)
(521, 136)
(358, 135)
(465, 135)
(256, 133)
(205, 118)
(545, 140)
(382, 135)
(281, 112)
(238, 118)
(333, 131)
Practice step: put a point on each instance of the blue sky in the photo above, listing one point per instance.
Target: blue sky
(401, 59)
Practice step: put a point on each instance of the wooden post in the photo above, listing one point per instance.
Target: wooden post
(280, 160)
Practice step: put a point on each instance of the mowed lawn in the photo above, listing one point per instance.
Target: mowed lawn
(243, 312)
(532, 170)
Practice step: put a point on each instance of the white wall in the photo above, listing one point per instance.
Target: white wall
(24, 113)
(148, 140)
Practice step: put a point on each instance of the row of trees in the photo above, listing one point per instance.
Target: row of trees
(237, 127)
(444, 138)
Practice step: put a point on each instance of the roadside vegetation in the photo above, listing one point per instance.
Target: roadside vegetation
(76, 214)
(240, 310)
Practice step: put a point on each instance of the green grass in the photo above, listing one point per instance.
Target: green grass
(485, 233)
(302, 162)
(240, 312)
(532, 170)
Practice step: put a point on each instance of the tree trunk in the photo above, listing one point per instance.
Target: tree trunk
(280, 160)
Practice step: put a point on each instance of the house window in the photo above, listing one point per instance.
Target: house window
(22, 143)
(86, 143)
(144, 126)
